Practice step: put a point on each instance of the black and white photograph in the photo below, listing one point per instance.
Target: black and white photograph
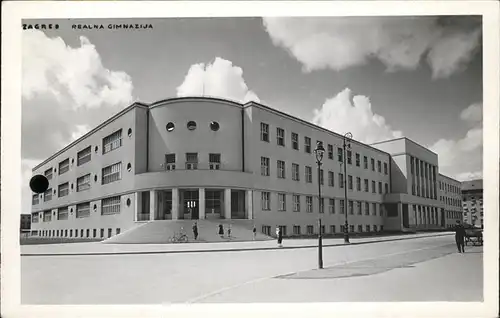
(270, 158)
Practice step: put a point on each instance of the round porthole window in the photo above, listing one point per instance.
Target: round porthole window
(170, 127)
(96, 149)
(129, 167)
(130, 132)
(95, 178)
(191, 125)
(214, 126)
(128, 202)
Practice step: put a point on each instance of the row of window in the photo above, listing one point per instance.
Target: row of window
(214, 161)
(311, 229)
(449, 187)
(450, 201)
(280, 140)
(109, 143)
(366, 208)
(109, 174)
(78, 233)
(424, 180)
(191, 125)
(453, 214)
(308, 175)
(111, 205)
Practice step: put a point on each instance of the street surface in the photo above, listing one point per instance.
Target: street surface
(424, 269)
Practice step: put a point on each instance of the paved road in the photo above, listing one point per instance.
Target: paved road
(258, 276)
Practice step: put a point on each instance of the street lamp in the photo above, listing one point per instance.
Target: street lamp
(318, 152)
(346, 144)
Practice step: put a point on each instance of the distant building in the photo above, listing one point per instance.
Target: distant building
(25, 223)
(197, 158)
(472, 202)
(450, 197)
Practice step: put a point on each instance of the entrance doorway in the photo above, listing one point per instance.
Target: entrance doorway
(190, 204)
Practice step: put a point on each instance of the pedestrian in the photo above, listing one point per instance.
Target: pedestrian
(229, 231)
(195, 231)
(279, 235)
(460, 237)
(254, 232)
(221, 231)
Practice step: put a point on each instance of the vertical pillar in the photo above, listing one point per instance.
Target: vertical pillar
(138, 205)
(152, 205)
(249, 207)
(175, 204)
(201, 203)
(400, 215)
(227, 203)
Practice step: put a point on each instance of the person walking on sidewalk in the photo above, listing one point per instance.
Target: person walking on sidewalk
(229, 231)
(221, 231)
(460, 237)
(195, 231)
(279, 235)
(254, 232)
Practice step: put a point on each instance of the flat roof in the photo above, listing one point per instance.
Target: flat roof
(476, 184)
(406, 138)
(445, 176)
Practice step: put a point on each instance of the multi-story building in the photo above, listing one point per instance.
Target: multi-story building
(208, 158)
(451, 198)
(25, 227)
(472, 202)
(413, 200)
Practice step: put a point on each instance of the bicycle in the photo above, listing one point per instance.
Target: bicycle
(179, 238)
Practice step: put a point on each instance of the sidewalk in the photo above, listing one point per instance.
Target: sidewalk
(97, 248)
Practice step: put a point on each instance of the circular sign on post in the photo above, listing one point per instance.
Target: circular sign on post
(39, 183)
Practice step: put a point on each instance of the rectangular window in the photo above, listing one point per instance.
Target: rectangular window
(309, 177)
(379, 166)
(360, 228)
(341, 180)
(321, 204)
(295, 141)
(281, 202)
(365, 162)
(94, 233)
(34, 218)
(351, 228)
(339, 155)
(332, 229)
(64, 166)
(349, 157)
(84, 156)
(385, 168)
(83, 210)
(351, 207)
(35, 199)
(358, 159)
(342, 205)
(309, 204)
(280, 137)
(295, 172)
(266, 229)
(47, 216)
(330, 152)
(112, 173)
(102, 233)
(264, 166)
(367, 185)
(63, 189)
(331, 179)
(374, 190)
(118, 230)
(110, 232)
(373, 163)
(307, 144)
(170, 161)
(296, 203)
(374, 208)
(281, 169)
(375, 228)
(214, 161)
(358, 183)
(47, 195)
(62, 213)
(296, 230)
(112, 142)
(83, 183)
(266, 201)
(310, 230)
(381, 209)
(111, 205)
(349, 182)
(386, 188)
(191, 160)
(380, 187)
(48, 173)
(264, 132)
(88, 233)
(331, 207)
(359, 208)
(367, 208)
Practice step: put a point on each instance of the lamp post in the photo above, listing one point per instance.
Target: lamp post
(318, 152)
(346, 144)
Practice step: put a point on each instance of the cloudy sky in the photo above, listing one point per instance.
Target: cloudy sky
(377, 77)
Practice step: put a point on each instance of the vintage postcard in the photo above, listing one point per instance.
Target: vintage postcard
(250, 158)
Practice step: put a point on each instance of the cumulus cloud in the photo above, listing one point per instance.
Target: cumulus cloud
(218, 79)
(343, 113)
(463, 158)
(398, 42)
(65, 92)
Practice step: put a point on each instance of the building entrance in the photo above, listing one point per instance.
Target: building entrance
(190, 204)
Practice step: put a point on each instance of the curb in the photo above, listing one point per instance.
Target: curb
(231, 249)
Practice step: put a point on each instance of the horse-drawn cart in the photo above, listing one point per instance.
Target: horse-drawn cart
(474, 236)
